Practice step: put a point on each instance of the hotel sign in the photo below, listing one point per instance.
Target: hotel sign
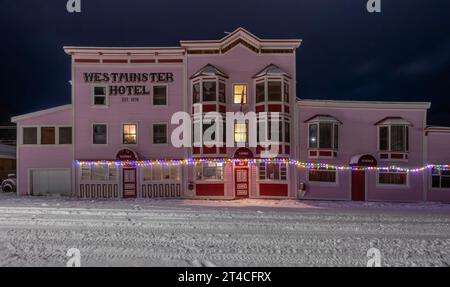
(128, 84)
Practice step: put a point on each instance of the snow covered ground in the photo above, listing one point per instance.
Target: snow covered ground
(38, 231)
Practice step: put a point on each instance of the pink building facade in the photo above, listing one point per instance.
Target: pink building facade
(115, 139)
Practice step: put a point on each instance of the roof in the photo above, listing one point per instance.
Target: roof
(323, 118)
(123, 51)
(365, 104)
(40, 113)
(271, 70)
(7, 151)
(393, 121)
(209, 70)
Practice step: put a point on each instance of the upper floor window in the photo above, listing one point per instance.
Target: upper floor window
(209, 91)
(260, 92)
(240, 94)
(48, 135)
(159, 133)
(393, 138)
(324, 135)
(272, 84)
(129, 134)
(99, 134)
(240, 132)
(274, 92)
(65, 135)
(29, 135)
(160, 95)
(99, 95)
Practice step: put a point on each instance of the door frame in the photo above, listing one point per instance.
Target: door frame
(248, 181)
(124, 169)
(365, 185)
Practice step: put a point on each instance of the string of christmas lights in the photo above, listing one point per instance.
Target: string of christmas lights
(298, 164)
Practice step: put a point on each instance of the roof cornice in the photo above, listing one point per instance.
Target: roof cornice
(365, 104)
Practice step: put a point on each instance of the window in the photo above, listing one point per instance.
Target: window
(240, 132)
(287, 132)
(274, 91)
(161, 173)
(286, 92)
(209, 171)
(159, 133)
(260, 92)
(392, 177)
(209, 91)
(160, 95)
(317, 175)
(440, 178)
(272, 171)
(65, 135)
(222, 92)
(47, 135)
(323, 135)
(240, 94)
(196, 93)
(393, 138)
(99, 96)
(129, 134)
(99, 134)
(29, 135)
(100, 172)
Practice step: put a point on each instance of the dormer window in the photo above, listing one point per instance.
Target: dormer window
(323, 136)
(272, 85)
(208, 85)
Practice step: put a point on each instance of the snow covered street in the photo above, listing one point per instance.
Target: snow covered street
(38, 231)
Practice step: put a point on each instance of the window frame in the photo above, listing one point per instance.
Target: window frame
(92, 134)
(161, 179)
(38, 128)
(334, 144)
(93, 105)
(323, 183)
(389, 140)
(392, 185)
(108, 181)
(235, 133)
(123, 134)
(167, 134)
(440, 181)
(264, 165)
(203, 179)
(153, 94)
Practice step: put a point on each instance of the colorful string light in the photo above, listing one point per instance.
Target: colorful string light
(297, 163)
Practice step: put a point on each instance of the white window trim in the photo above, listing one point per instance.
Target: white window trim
(167, 134)
(39, 134)
(161, 180)
(323, 183)
(92, 134)
(446, 189)
(389, 139)
(268, 180)
(203, 180)
(266, 80)
(121, 133)
(93, 105)
(90, 181)
(391, 186)
(153, 94)
(247, 95)
(332, 148)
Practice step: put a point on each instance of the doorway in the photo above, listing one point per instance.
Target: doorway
(241, 182)
(358, 185)
(129, 182)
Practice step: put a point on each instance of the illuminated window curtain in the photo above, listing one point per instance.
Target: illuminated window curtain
(129, 134)
(240, 132)
(240, 94)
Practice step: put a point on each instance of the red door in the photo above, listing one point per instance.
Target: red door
(129, 182)
(358, 185)
(241, 182)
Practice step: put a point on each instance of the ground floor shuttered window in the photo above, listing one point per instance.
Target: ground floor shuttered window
(161, 173)
(272, 171)
(100, 172)
(440, 178)
(209, 171)
(391, 177)
(317, 175)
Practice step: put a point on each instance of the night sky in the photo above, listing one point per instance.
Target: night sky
(401, 54)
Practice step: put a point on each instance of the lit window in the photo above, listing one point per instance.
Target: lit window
(29, 136)
(47, 135)
(240, 94)
(99, 96)
(159, 133)
(161, 173)
(129, 134)
(392, 177)
(272, 171)
(65, 135)
(240, 132)
(318, 175)
(393, 138)
(440, 178)
(98, 172)
(159, 95)
(323, 135)
(99, 134)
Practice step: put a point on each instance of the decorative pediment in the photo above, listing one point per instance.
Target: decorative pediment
(271, 70)
(209, 70)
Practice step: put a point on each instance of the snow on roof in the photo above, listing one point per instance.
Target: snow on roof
(7, 151)
(39, 113)
(393, 121)
(271, 70)
(323, 118)
(209, 70)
